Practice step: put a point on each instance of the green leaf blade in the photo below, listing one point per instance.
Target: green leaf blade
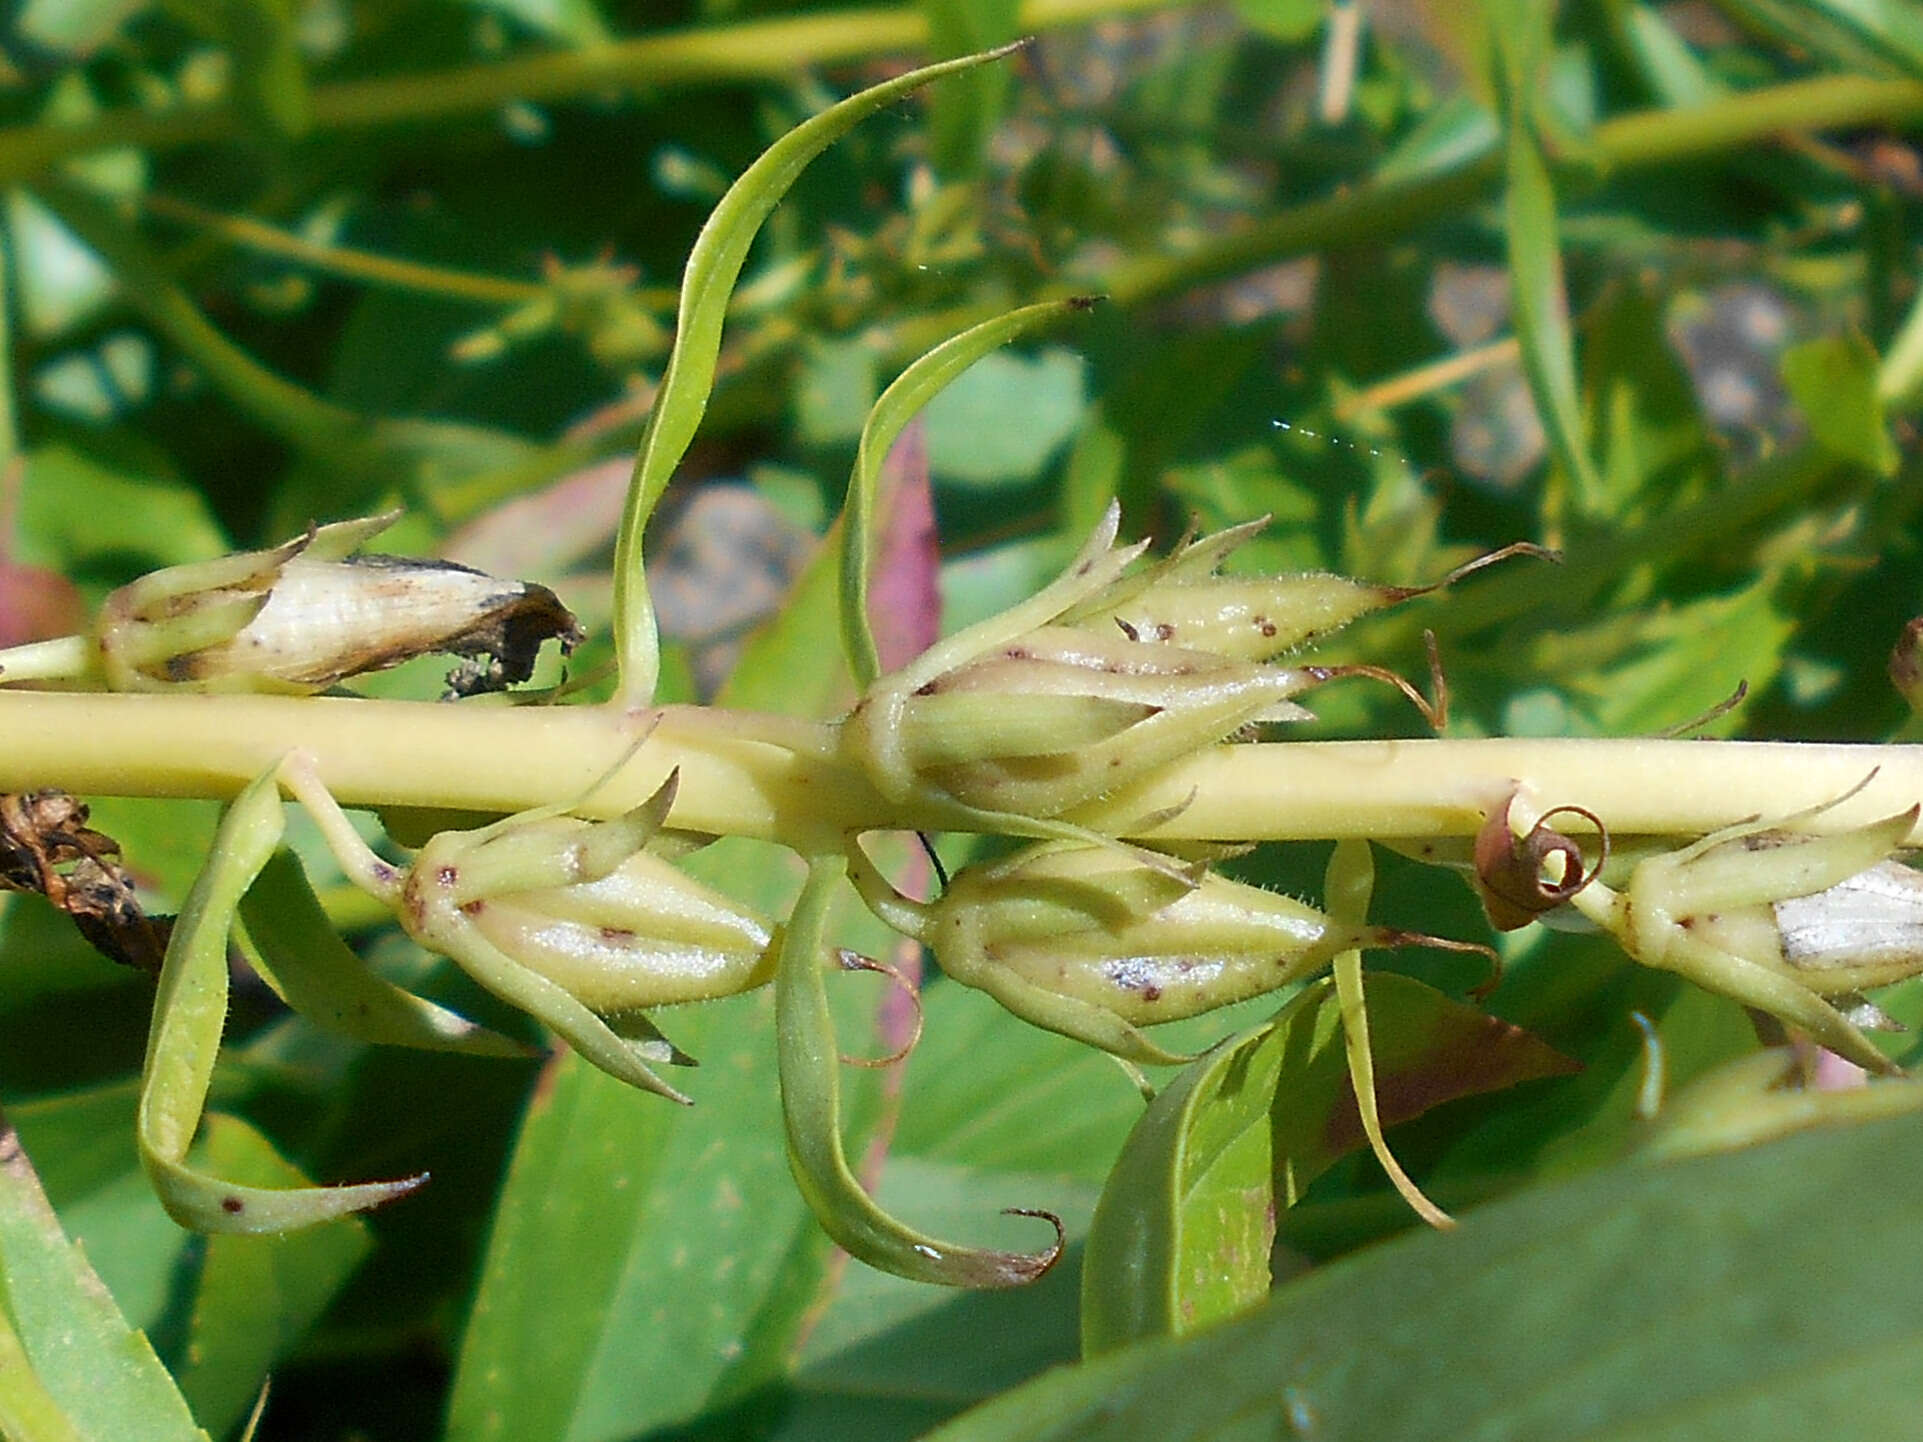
(1181, 1237)
(1712, 1297)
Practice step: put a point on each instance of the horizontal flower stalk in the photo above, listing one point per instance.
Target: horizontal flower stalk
(778, 778)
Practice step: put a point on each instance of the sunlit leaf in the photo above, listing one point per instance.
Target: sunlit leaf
(1655, 1301)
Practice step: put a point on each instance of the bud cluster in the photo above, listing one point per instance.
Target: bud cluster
(573, 921)
(1105, 677)
(1094, 943)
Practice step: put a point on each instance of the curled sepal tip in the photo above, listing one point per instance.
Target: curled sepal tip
(190, 1011)
(810, 1064)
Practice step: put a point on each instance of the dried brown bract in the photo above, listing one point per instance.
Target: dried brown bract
(47, 847)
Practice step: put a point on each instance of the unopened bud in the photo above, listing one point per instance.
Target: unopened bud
(569, 920)
(1180, 600)
(1022, 714)
(1859, 926)
(1087, 941)
(306, 614)
(584, 905)
(1791, 924)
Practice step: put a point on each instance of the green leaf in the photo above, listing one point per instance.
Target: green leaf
(257, 1296)
(1541, 308)
(810, 1064)
(1883, 36)
(638, 1249)
(918, 386)
(1182, 1235)
(835, 390)
(1711, 1297)
(994, 1111)
(1640, 406)
(190, 1013)
(1289, 21)
(86, 1362)
(962, 117)
(714, 264)
(1834, 382)
(74, 511)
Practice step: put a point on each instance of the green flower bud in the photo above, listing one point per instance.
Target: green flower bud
(1086, 941)
(304, 615)
(1858, 925)
(624, 931)
(1180, 600)
(1788, 923)
(570, 920)
(1020, 714)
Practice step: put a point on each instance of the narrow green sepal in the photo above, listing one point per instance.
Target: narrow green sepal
(190, 1012)
(319, 976)
(810, 1062)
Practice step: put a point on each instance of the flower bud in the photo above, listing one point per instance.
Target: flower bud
(306, 614)
(1785, 922)
(584, 905)
(1021, 714)
(569, 920)
(1181, 600)
(622, 932)
(1858, 925)
(1086, 941)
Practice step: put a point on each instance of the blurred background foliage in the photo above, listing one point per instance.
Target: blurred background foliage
(1636, 280)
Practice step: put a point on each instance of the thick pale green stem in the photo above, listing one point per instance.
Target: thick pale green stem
(772, 777)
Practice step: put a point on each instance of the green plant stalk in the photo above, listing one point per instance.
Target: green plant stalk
(773, 49)
(777, 778)
(1644, 140)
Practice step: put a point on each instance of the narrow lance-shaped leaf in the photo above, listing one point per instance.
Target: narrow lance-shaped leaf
(912, 390)
(70, 1366)
(714, 264)
(1350, 886)
(811, 1111)
(1521, 37)
(28, 1412)
(190, 1011)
